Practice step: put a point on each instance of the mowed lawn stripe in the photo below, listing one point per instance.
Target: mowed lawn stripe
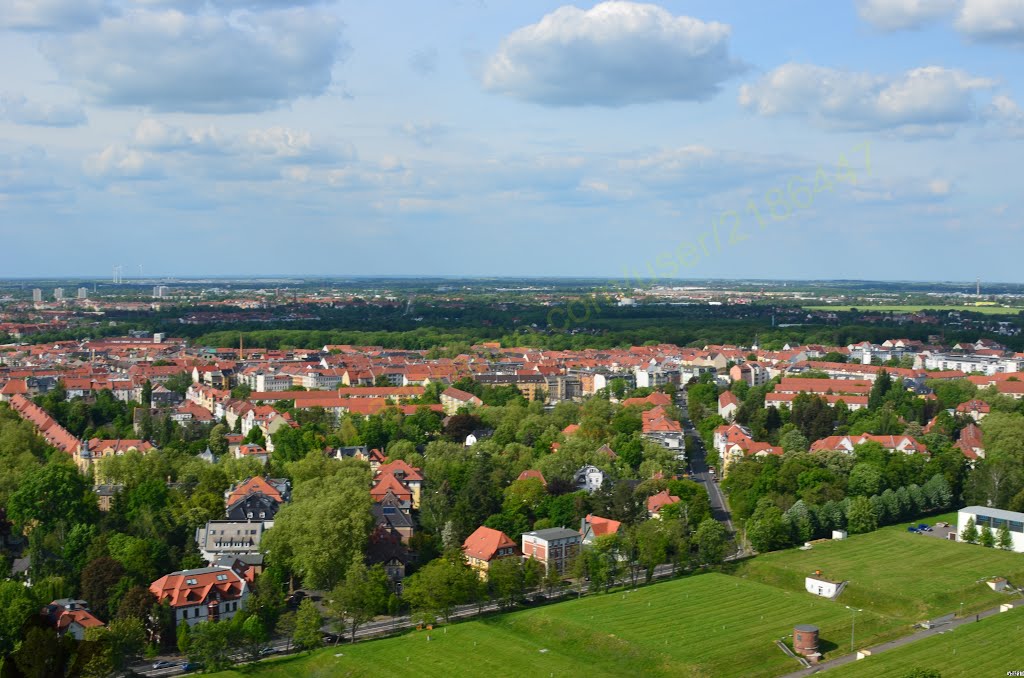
(990, 647)
(907, 576)
(670, 629)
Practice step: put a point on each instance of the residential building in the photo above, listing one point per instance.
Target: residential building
(229, 538)
(487, 545)
(37, 295)
(405, 476)
(971, 443)
(70, 617)
(204, 594)
(555, 547)
(728, 403)
(658, 501)
(532, 473)
(593, 527)
(975, 409)
(452, 399)
(589, 478)
(252, 451)
(904, 444)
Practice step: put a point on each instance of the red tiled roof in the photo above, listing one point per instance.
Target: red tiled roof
(602, 526)
(485, 542)
(252, 486)
(531, 473)
(660, 500)
(178, 592)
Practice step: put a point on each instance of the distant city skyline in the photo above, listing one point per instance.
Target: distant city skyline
(264, 138)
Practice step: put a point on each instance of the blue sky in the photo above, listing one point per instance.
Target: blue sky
(471, 137)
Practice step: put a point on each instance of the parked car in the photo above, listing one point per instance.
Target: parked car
(924, 527)
(268, 651)
(191, 666)
(163, 664)
(912, 529)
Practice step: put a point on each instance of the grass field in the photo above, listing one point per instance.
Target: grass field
(705, 625)
(894, 573)
(989, 310)
(987, 649)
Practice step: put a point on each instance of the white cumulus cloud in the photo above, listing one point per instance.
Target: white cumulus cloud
(992, 20)
(919, 102)
(167, 60)
(615, 54)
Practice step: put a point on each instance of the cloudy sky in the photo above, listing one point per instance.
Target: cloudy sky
(791, 139)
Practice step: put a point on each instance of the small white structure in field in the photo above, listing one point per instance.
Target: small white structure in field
(819, 586)
(997, 583)
(839, 534)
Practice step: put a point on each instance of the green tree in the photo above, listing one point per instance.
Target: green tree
(505, 581)
(987, 539)
(861, 516)
(217, 442)
(285, 627)
(438, 587)
(43, 653)
(307, 635)
(922, 673)
(766, 529)
(970, 532)
(184, 638)
(361, 596)
(147, 393)
(17, 604)
(210, 644)
(652, 545)
(865, 479)
(253, 635)
(324, 527)
(99, 581)
(127, 637)
(1005, 541)
(712, 542)
(53, 498)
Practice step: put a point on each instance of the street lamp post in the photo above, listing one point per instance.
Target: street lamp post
(853, 624)
(961, 609)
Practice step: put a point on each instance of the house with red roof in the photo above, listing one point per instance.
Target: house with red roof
(593, 527)
(659, 501)
(453, 398)
(408, 477)
(971, 443)
(903, 444)
(734, 442)
(70, 617)
(252, 451)
(204, 594)
(728, 403)
(485, 546)
(975, 409)
(532, 473)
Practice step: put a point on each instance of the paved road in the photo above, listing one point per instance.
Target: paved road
(949, 625)
(699, 473)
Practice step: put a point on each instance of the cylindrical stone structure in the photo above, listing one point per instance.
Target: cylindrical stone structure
(805, 640)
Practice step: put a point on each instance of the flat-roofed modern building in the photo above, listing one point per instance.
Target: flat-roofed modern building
(995, 519)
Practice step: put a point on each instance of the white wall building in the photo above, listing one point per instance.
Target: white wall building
(995, 519)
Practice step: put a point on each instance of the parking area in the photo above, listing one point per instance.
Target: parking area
(938, 530)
